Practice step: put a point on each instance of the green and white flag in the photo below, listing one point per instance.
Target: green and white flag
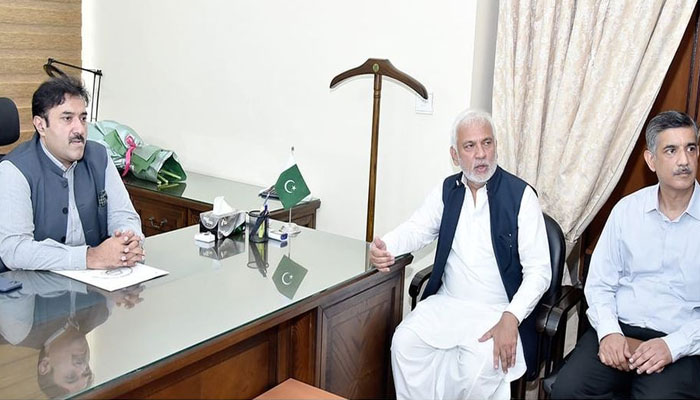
(291, 187)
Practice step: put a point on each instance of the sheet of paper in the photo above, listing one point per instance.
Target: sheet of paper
(114, 279)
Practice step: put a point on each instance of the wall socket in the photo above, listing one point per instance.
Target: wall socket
(424, 106)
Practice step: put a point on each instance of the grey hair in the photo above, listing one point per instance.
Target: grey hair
(668, 120)
(471, 117)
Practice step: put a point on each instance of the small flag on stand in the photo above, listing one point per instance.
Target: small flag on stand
(291, 187)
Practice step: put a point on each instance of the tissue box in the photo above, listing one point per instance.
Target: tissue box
(222, 225)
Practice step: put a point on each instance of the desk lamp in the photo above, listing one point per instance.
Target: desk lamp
(53, 71)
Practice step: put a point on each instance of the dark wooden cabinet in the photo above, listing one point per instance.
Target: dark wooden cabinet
(158, 217)
(164, 211)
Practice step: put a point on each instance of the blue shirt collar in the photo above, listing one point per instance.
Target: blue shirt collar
(693, 209)
(694, 206)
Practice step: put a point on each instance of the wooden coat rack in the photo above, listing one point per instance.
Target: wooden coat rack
(377, 67)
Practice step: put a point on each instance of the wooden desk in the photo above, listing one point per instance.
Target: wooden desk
(224, 328)
(179, 206)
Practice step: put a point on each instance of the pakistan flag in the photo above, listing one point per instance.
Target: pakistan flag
(291, 187)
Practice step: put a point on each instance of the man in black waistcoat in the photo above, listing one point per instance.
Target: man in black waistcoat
(471, 335)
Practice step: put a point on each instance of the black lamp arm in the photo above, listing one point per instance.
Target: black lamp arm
(94, 71)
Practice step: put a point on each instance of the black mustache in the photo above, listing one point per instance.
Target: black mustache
(78, 138)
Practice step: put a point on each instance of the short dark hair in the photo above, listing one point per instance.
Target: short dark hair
(668, 120)
(53, 93)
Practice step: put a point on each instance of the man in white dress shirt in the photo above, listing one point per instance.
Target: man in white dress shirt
(643, 286)
(465, 339)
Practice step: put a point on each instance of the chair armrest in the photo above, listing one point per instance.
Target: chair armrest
(552, 312)
(417, 283)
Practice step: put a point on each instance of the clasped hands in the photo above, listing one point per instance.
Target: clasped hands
(121, 250)
(629, 354)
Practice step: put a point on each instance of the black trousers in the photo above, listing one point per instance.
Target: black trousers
(585, 377)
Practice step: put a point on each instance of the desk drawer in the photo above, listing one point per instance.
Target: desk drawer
(159, 217)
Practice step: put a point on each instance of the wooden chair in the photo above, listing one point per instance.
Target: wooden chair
(551, 312)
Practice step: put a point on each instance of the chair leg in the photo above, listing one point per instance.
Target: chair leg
(541, 393)
(518, 388)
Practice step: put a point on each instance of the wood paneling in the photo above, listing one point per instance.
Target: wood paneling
(50, 13)
(356, 343)
(212, 378)
(31, 31)
(21, 381)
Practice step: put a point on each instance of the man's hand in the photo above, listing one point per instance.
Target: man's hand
(127, 236)
(505, 340)
(633, 343)
(121, 250)
(651, 356)
(614, 352)
(379, 256)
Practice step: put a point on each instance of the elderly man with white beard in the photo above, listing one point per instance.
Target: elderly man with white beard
(471, 335)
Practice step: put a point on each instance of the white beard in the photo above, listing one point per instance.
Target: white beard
(481, 178)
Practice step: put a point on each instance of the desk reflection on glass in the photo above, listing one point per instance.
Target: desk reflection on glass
(288, 274)
(223, 248)
(43, 327)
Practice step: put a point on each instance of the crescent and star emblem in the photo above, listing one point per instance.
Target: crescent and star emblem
(287, 281)
(293, 187)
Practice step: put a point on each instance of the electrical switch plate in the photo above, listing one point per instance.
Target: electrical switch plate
(424, 106)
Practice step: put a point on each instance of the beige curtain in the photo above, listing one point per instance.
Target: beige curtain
(573, 84)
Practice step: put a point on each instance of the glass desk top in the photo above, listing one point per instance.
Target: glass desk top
(208, 292)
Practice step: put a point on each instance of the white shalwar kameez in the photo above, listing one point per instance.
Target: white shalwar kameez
(435, 350)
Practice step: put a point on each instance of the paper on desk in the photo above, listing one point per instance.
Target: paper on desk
(115, 279)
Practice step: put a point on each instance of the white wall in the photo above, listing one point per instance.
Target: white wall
(231, 85)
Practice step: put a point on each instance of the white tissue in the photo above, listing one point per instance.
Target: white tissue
(221, 207)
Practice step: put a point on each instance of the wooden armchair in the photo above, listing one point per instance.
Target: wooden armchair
(551, 312)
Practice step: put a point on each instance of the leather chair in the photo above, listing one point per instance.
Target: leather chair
(550, 375)
(9, 122)
(551, 311)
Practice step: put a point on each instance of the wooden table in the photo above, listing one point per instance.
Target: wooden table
(228, 328)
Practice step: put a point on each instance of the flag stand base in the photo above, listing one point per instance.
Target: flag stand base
(290, 228)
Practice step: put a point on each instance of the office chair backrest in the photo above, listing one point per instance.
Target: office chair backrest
(557, 256)
(9, 122)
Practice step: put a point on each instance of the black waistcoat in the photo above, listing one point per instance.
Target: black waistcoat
(505, 192)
